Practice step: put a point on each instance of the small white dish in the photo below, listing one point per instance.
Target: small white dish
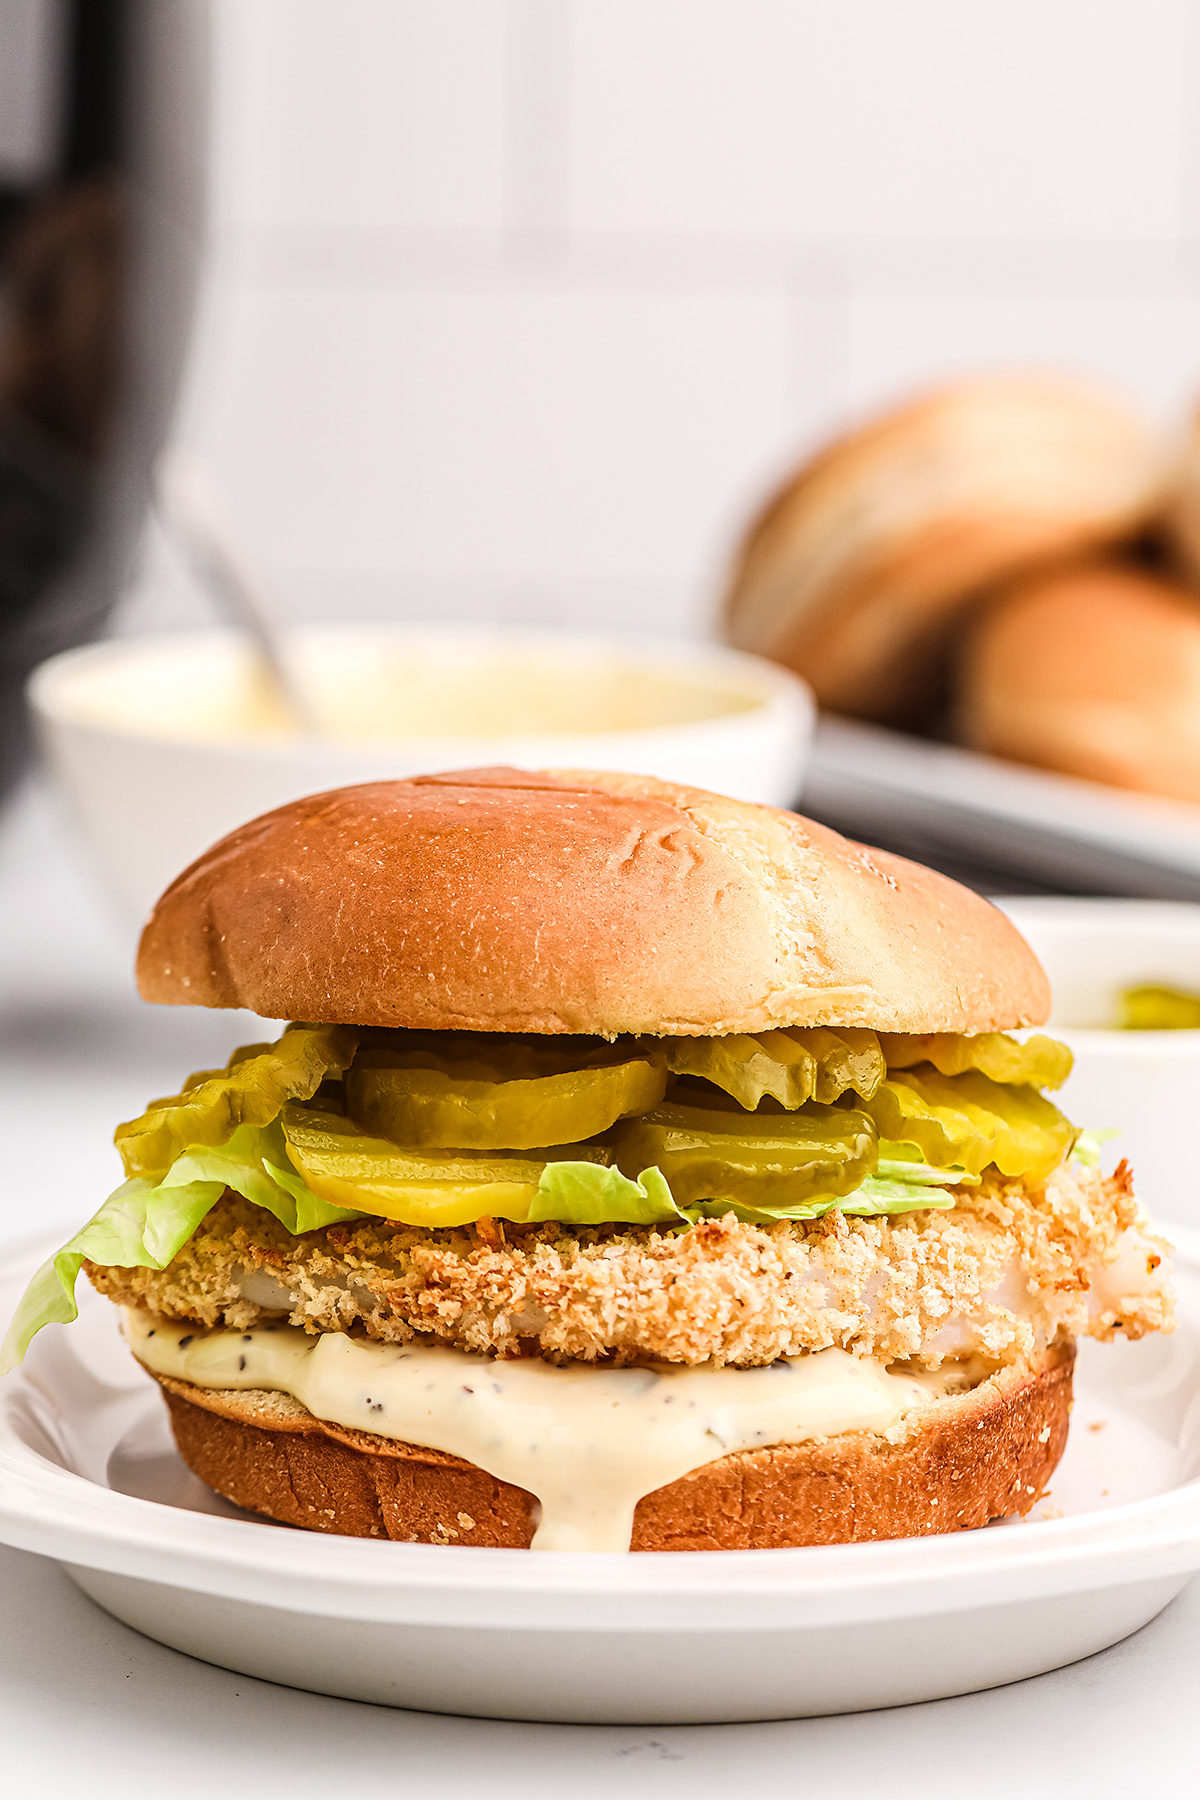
(1145, 1085)
(88, 1476)
(164, 743)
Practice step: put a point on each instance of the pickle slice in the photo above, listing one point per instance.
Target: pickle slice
(251, 1090)
(437, 1188)
(1153, 1007)
(793, 1067)
(432, 1108)
(492, 1055)
(1039, 1062)
(970, 1121)
(745, 1159)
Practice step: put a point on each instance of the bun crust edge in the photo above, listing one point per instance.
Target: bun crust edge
(969, 1458)
(503, 900)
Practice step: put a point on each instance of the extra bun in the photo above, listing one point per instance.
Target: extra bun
(1182, 513)
(854, 572)
(1093, 672)
(969, 1458)
(500, 901)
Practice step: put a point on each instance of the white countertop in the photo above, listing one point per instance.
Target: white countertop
(89, 1708)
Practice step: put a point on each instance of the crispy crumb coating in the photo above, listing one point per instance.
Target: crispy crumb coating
(999, 1275)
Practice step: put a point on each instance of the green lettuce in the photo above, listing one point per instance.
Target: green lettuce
(146, 1223)
(1088, 1145)
(875, 1194)
(590, 1194)
(883, 1193)
(582, 1193)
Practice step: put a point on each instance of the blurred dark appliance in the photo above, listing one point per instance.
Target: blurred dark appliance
(102, 122)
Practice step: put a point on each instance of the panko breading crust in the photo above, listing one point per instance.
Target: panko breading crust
(999, 1275)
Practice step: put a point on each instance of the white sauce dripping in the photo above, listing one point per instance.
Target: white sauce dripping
(587, 1442)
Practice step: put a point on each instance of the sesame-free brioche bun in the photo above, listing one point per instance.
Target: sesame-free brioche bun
(1093, 672)
(968, 1458)
(855, 571)
(497, 900)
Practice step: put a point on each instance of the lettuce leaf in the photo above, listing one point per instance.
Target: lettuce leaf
(141, 1225)
(1088, 1145)
(891, 1194)
(580, 1193)
(904, 1161)
(587, 1194)
(145, 1224)
(874, 1195)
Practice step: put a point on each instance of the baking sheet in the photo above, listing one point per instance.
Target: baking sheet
(1000, 827)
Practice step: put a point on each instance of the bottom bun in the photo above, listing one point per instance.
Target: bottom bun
(968, 1458)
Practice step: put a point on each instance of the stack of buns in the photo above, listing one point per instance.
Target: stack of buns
(1010, 560)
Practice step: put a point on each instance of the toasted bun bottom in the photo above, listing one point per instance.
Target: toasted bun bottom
(970, 1458)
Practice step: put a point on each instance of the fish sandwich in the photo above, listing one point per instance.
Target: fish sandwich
(642, 1169)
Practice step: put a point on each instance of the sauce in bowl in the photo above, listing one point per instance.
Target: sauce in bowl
(368, 687)
(165, 743)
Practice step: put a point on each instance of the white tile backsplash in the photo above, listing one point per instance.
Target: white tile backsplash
(927, 118)
(517, 305)
(461, 433)
(377, 114)
(1148, 345)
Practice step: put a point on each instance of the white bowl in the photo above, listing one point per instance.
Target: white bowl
(165, 743)
(1145, 1084)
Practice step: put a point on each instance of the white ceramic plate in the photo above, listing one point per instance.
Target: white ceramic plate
(88, 1476)
(940, 803)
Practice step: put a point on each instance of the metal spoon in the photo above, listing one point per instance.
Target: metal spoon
(192, 518)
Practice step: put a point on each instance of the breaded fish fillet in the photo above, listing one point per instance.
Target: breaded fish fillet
(999, 1275)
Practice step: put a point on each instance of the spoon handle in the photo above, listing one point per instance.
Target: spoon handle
(192, 519)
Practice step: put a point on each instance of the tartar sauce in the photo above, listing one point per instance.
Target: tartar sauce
(588, 1442)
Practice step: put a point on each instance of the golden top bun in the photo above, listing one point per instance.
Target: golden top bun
(854, 572)
(497, 900)
(1092, 671)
